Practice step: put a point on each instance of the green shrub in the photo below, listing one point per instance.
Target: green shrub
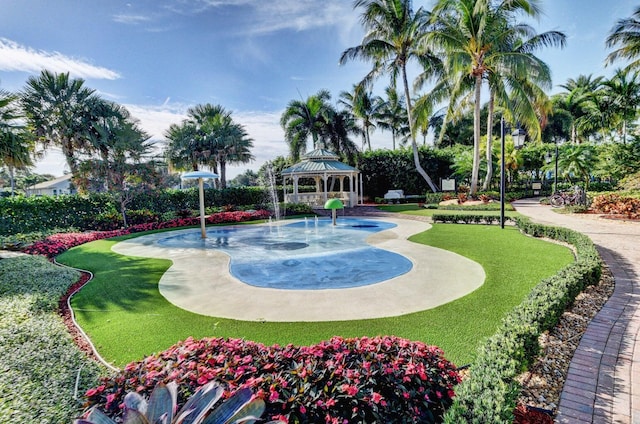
(490, 393)
(467, 219)
(359, 380)
(38, 358)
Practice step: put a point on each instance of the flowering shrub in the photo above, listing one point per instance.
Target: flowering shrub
(55, 244)
(617, 205)
(358, 380)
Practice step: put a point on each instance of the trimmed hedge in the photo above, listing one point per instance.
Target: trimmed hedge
(467, 219)
(98, 210)
(490, 393)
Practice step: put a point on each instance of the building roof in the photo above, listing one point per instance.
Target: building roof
(52, 183)
(319, 161)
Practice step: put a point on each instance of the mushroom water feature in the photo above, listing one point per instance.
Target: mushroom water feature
(200, 175)
(333, 204)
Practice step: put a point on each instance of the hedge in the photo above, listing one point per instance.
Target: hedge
(30, 214)
(467, 219)
(490, 393)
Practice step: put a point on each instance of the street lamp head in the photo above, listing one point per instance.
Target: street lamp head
(519, 135)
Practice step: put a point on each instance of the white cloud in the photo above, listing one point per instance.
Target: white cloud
(131, 19)
(16, 57)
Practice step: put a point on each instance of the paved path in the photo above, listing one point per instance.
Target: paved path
(603, 382)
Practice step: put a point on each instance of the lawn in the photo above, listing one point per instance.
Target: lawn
(414, 209)
(127, 319)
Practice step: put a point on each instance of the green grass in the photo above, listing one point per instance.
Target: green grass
(127, 318)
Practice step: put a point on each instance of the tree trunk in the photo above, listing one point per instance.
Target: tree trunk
(13, 181)
(475, 170)
(414, 145)
(223, 173)
(489, 155)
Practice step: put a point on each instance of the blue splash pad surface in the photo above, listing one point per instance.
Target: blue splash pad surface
(304, 255)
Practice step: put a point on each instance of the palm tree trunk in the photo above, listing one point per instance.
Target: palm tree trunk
(489, 153)
(223, 173)
(414, 145)
(475, 170)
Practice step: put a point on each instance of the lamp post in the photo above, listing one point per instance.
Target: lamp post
(555, 173)
(518, 136)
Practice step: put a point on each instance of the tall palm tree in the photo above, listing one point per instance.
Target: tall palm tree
(15, 141)
(625, 39)
(302, 119)
(365, 107)
(480, 41)
(576, 100)
(623, 92)
(55, 107)
(336, 135)
(183, 150)
(393, 116)
(392, 40)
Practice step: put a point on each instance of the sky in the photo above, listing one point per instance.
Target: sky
(160, 57)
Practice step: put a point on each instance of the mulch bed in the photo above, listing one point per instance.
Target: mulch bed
(65, 313)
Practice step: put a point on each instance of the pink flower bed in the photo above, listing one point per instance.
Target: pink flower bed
(58, 243)
(356, 380)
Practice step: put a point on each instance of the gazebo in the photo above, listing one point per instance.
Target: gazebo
(322, 166)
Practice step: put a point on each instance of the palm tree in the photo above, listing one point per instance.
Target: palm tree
(15, 141)
(623, 92)
(336, 135)
(183, 150)
(577, 160)
(625, 38)
(55, 107)
(302, 119)
(576, 100)
(393, 116)
(479, 41)
(364, 106)
(392, 40)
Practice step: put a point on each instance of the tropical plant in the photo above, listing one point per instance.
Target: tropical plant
(577, 160)
(357, 380)
(392, 116)
(15, 140)
(219, 139)
(199, 409)
(625, 39)
(623, 93)
(302, 119)
(480, 41)
(392, 40)
(56, 107)
(365, 107)
(575, 104)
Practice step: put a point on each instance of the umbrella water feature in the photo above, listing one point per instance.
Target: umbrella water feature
(200, 175)
(333, 204)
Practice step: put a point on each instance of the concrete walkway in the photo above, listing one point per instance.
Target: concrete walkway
(199, 281)
(603, 382)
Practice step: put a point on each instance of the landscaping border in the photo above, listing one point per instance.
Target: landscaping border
(490, 393)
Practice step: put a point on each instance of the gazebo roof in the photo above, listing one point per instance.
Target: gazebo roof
(319, 161)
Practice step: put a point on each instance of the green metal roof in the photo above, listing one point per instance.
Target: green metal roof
(317, 162)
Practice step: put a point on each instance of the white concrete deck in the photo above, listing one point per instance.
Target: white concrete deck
(199, 281)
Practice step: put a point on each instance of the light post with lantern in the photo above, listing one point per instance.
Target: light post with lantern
(519, 136)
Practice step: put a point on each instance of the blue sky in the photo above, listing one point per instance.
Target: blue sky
(159, 57)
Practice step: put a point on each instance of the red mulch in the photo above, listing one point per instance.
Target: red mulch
(528, 415)
(65, 313)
